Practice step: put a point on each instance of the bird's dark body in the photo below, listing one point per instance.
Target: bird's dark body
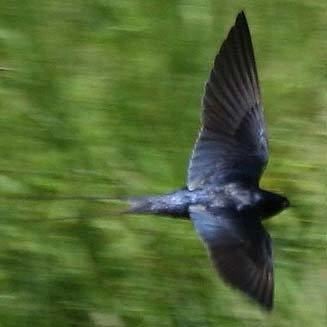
(222, 197)
(250, 203)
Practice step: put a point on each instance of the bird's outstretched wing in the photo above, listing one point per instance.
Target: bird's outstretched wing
(232, 144)
(241, 252)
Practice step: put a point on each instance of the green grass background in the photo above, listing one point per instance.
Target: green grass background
(103, 97)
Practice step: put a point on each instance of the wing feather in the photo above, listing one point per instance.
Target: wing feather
(241, 252)
(232, 144)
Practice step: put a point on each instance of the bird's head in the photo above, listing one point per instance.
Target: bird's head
(272, 204)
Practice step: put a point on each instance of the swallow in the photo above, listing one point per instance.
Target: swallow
(222, 197)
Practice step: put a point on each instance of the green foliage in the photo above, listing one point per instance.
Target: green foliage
(103, 97)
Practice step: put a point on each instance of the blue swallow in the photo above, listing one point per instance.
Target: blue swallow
(223, 198)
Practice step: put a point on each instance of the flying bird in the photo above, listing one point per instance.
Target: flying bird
(223, 198)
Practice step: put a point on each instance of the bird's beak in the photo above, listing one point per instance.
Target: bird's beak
(287, 204)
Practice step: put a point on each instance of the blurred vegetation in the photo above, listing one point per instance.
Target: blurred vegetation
(102, 98)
